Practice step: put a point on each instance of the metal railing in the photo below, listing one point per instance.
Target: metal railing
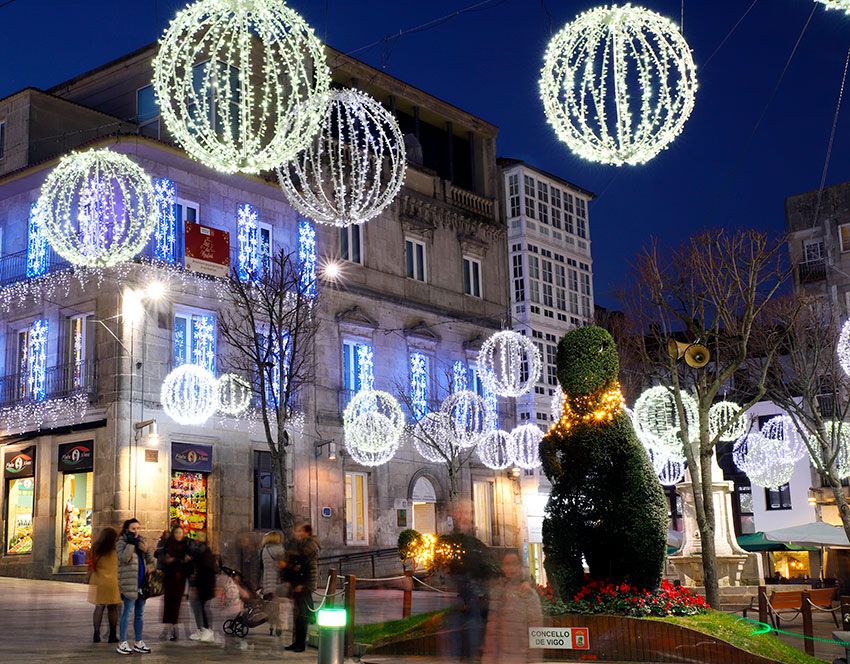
(13, 267)
(59, 381)
(810, 271)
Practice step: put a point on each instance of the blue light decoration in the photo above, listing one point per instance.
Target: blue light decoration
(277, 365)
(37, 261)
(307, 258)
(248, 234)
(203, 341)
(418, 385)
(459, 378)
(179, 340)
(37, 360)
(92, 212)
(477, 386)
(365, 367)
(165, 231)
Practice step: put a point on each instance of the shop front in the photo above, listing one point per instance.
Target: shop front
(19, 493)
(76, 471)
(191, 466)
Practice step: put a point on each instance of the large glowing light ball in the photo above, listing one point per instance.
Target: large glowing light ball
(468, 417)
(842, 5)
(741, 447)
(842, 348)
(189, 394)
(528, 438)
(509, 364)
(234, 394)
(97, 208)
(367, 428)
(618, 84)
(354, 167)
(231, 78)
(836, 434)
(782, 429)
(432, 437)
(722, 421)
(370, 434)
(657, 412)
(671, 472)
(765, 463)
(556, 404)
(497, 449)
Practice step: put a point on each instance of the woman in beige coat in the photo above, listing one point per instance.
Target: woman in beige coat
(103, 583)
(514, 607)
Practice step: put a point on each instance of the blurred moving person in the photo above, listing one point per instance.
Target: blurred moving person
(514, 607)
(202, 584)
(135, 559)
(103, 583)
(174, 561)
(302, 564)
(272, 557)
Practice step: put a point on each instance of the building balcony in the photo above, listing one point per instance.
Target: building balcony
(13, 267)
(811, 271)
(469, 201)
(59, 382)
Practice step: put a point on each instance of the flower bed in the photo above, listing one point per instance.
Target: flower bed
(625, 600)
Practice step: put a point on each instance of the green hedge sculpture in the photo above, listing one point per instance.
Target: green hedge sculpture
(606, 503)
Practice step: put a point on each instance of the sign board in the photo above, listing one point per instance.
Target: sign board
(207, 250)
(20, 463)
(194, 458)
(559, 638)
(327, 512)
(76, 457)
(401, 518)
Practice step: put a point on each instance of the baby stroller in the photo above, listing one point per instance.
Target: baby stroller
(253, 612)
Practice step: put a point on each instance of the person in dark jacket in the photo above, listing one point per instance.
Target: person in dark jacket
(174, 561)
(135, 559)
(302, 572)
(202, 583)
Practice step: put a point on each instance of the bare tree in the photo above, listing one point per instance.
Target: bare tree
(713, 291)
(813, 389)
(269, 320)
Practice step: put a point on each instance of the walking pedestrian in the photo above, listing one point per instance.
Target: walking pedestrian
(202, 585)
(272, 555)
(103, 583)
(174, 561)
(303, 566)
(135, 559)
(514, 607)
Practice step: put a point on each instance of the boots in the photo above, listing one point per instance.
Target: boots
(96, 638)
(113, 635)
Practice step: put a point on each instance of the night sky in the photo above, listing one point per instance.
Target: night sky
(487, 63)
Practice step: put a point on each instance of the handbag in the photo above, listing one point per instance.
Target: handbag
(153, 585)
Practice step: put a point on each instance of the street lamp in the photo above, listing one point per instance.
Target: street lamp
(153, 434)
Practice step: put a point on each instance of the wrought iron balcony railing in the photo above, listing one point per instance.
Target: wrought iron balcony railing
(59, 381)
(811, 271)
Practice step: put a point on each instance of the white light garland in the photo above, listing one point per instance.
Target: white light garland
(234, 394)
(657, 413)
(231, 78)
(841, 5)
(671, 472)
(720, 421)
(34, 415)
(618, 84)
(556, 404)
(97, 208)
(781, 429)
(497, 449)
(468, 417)
(509, 364)
(361, 435)
(373, 435)
(837, 436)
(189, 394)
(842, 348)
(765, 462)
(527, 438)
(432, 438)
(740, 449)
(355, 166)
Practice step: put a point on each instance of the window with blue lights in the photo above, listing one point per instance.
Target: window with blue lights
(165, 231)
(358, 366)
(277, 365)
(459, 376)
(31, 359)
(248, 235)
(194, 339)
(477, 385)
(307, 257)
(37, 256)
(419, 375)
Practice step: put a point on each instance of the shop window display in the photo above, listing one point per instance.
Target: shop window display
(791, 564)
(77, 513)
(189, 502)
(20, 494)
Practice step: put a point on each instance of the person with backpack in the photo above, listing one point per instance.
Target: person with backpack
(135, 560)
(103, 583)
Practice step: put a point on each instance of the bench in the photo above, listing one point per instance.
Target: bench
(784, 602)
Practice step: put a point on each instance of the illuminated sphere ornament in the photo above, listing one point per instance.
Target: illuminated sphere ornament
(231, 78)
(781, 429)
(556, 405)
(527, 438)
(497, 449)
(618, 84)
(98, 208)
(720, 421)
(740, 449)
(837, 437)
(373, 434)
(234, 394)
(765, 463)
(431, 437)
(509, 364)
(657, 412)
(468, 417)
(189, 394)
(354, 167)
(367, 428)
(671, 472)
(842, 348)
(842, 5)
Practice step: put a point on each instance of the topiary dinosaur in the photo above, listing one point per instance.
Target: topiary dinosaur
(606, 503)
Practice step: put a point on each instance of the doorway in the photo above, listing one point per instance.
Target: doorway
(424, 502)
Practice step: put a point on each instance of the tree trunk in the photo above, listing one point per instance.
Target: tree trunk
(279, 461)
(706, 528)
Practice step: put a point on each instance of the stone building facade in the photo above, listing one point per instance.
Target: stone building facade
(101, 343)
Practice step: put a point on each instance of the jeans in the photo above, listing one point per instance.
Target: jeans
(138, 606)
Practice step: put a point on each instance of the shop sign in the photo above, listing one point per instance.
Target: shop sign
(76, 457)
(194, 458)
(19, 463)
(559, 638)
(207, 250)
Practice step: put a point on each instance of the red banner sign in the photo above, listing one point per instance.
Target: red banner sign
(207, 250)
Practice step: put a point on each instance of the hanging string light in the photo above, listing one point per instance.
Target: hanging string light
(373, 435)
(231, 78)
(432, 437)
(594, 408)
(836, 435)
(657, 412)
(234, 394)
(790, 445)
(722, 422)
(842, 348)
(556, 404)
(841, 5)
(97, 208)
(468, 417)
(618, 84)
(189, 394)
(354, 167)
(509, 364)
(740, 448)
(671, 472)
(765, 462)
(497, 449)
(364, 430)
(528, 438)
